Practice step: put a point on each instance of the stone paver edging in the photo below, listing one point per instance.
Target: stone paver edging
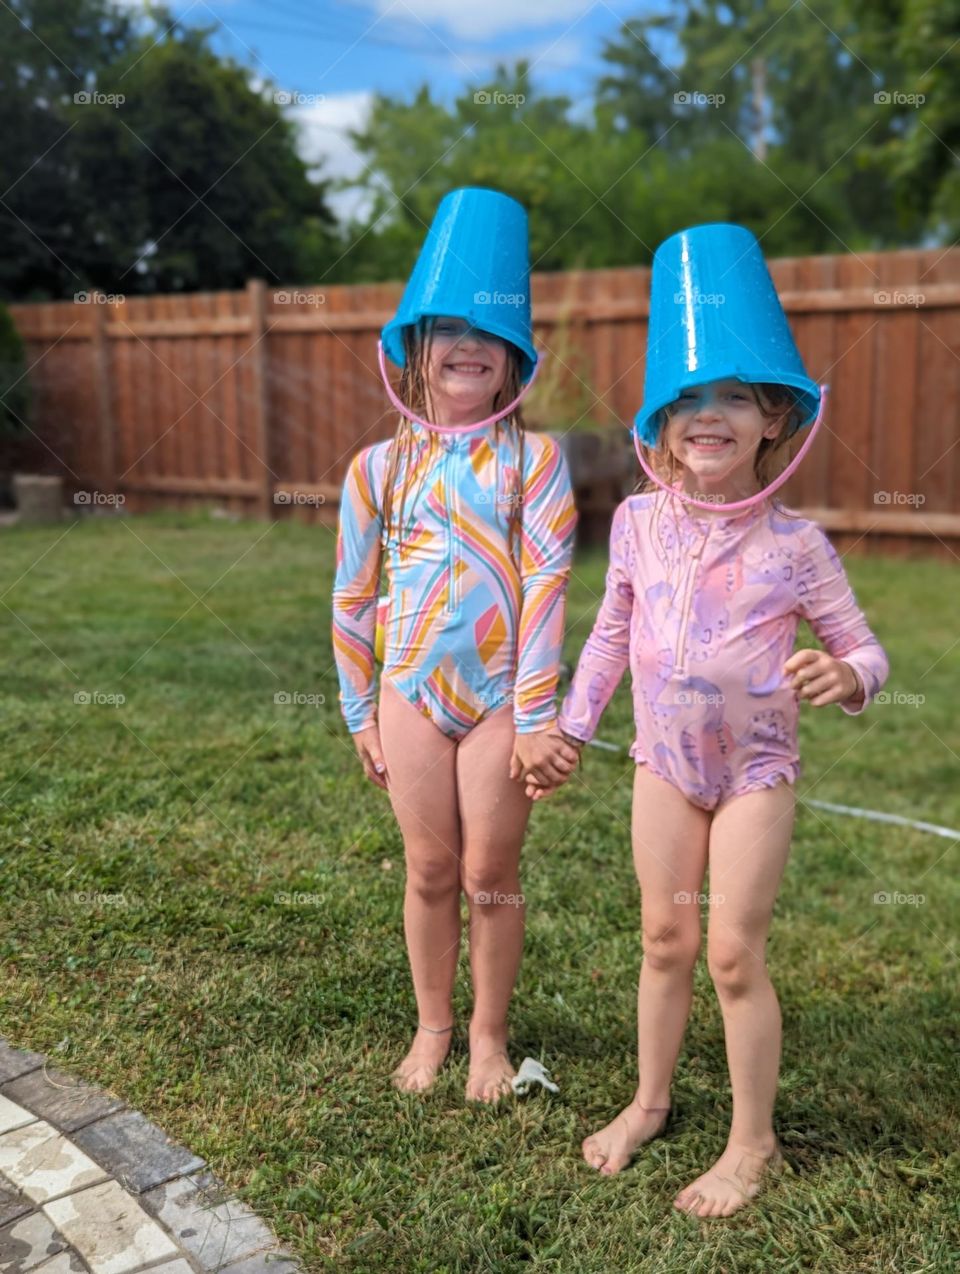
(89, 1186)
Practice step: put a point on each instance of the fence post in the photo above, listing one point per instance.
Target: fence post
(99, 348)
(257, 300)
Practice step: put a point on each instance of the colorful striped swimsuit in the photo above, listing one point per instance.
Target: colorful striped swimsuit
(466, 630)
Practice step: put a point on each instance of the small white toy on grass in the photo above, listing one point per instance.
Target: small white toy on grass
(532, 1072)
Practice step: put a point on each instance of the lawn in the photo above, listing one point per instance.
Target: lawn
(202, 912)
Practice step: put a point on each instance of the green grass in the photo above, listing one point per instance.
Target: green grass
(260, 1033)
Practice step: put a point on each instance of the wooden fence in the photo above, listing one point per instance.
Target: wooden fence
(257, 399)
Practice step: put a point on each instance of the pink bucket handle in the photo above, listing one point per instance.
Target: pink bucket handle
(753, 499)
(452, 429)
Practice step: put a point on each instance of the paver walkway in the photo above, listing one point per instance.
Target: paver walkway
(91, 1186)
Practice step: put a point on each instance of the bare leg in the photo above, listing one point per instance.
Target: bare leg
(670, 857)
(749, 846)
(494, 811)
(421, 763)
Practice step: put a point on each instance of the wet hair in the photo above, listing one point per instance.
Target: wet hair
(775, 402)
(404, 471)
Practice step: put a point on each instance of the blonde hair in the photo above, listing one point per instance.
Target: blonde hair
(776, 402)
(402, 473)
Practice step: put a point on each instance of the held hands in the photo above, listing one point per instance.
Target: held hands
(822, 679)
(543, 761)
(367, 743)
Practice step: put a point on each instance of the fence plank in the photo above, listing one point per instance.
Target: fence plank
(182, 398)
(102, 380)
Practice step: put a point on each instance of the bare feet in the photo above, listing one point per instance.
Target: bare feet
(490, 1073)
(419, 1068)
(732, 1181)
(614, 1146)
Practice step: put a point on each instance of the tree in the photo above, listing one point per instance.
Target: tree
(641, 87)
(600, 192)
(921, 147)
(796, 86)
(49, 50)
(150, 164)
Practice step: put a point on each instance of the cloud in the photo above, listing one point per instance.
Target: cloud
(562, 53)
(322, 141)
(482, 19)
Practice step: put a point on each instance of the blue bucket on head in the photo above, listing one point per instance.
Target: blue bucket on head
(715, 314)
(474, 265)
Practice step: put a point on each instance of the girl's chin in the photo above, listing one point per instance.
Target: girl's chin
(465, 397)
(465, 386)
(708, 467)
(454, 412)
(725, 459)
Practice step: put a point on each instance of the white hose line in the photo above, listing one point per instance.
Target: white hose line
(879, 817)
(854, 811)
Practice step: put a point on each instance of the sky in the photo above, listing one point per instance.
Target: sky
(332, 58)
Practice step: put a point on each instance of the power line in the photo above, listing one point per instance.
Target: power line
(362, 35)
(322, 38)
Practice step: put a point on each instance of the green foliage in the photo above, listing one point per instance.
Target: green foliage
(175, 174)
(760, 113)
(922, 40)
(763, 113)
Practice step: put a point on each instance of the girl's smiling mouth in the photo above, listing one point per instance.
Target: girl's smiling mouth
(708, 442)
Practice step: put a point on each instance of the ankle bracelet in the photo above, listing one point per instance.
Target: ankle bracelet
(436, 1030)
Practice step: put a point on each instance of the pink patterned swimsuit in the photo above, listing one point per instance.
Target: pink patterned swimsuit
(705, 611)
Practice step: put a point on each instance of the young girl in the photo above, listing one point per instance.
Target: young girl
(473, 528)
(703, 604)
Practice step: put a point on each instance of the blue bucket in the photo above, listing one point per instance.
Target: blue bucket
(474, 265)
(715, 314)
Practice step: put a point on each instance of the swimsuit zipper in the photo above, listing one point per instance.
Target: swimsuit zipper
(688, 598)
(451, 563)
